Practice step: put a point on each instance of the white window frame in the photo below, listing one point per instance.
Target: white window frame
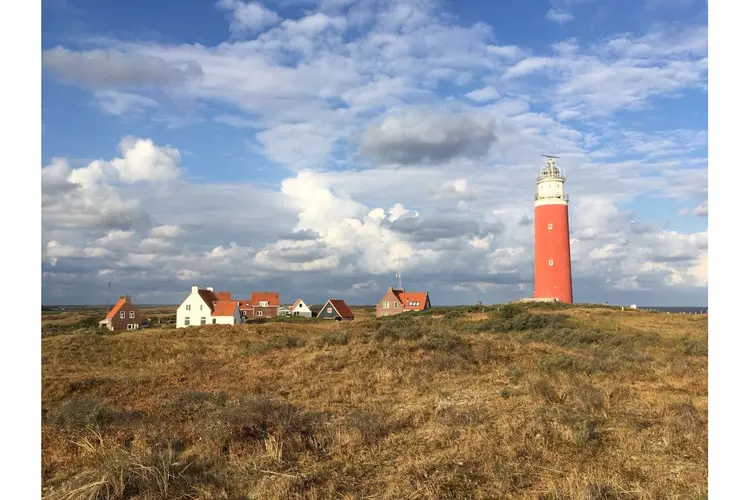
(132, 314)
(187, 320)
(395, 304)
(130, 327)
(263, 303)
(122, 314)
(329, 310)
(549, 226)
(385, 304)
(259, 313)
(203, 320)
(551, 263)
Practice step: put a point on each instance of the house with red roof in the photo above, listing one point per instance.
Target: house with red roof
(123, 316)
(206, 307)
(396, 301)
(261, 305)
(336, 309)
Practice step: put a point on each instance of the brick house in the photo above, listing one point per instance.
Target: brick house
(260, 305)
(123, 316)
(396, 301)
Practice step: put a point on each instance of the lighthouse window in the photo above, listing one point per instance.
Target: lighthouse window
(549, 226)
(551, 262)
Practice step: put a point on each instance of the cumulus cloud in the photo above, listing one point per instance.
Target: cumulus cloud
(143, 161)
(419, 136)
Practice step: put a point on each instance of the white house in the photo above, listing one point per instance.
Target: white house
(204, 307)
(299, 308)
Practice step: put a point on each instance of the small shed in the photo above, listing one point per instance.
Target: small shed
(336, 309)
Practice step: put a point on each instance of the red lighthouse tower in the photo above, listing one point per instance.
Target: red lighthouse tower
(552, 277)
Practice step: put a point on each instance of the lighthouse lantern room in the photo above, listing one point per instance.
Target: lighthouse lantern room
(552, 275)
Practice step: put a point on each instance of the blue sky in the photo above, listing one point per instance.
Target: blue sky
(304, 146)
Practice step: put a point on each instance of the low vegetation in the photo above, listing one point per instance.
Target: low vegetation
(520, 401)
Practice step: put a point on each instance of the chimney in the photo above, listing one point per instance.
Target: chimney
(390, 288)
(195, 289)
(210, 288)
(126, 298)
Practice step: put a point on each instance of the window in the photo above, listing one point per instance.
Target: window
(132, 314)
(395, 304)
(187, 307)
(416, 303)
(187, 321)
(263, 303)
(551, 262)
(549, 226)
(130, 327)
(385, 314)
(214, 321)
(122, 314)
(328, 309)
(385, 304)
(259, 313)
(201, 307)
(203, 321)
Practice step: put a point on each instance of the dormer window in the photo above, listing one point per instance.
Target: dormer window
(263, 303)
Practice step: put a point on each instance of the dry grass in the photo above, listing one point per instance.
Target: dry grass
(517, 403)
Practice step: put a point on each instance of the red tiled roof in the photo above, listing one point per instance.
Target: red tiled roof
(223, 295)
(271, 297)
(224, 308)
(244, 305)
(208, 297)
(406, 297)
(117, 307)
(342, 308)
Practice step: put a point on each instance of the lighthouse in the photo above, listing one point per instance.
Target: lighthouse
(552, 276)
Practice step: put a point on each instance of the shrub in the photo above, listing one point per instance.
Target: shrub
(562, 362)
(443, 341)
(284, 341)
(694, 347)
(333, 338)
(79, 413)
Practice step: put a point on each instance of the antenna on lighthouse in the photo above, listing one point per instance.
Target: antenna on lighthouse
(550, 156)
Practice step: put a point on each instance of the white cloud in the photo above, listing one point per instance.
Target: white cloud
(143, 161)
(484, 94)
(123, 103)
(558, 16)
(252, 17)
(166, 231)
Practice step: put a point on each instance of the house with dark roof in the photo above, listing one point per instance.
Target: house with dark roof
(206, 307)
(336, 309)
(123, 316)
(396, 301)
